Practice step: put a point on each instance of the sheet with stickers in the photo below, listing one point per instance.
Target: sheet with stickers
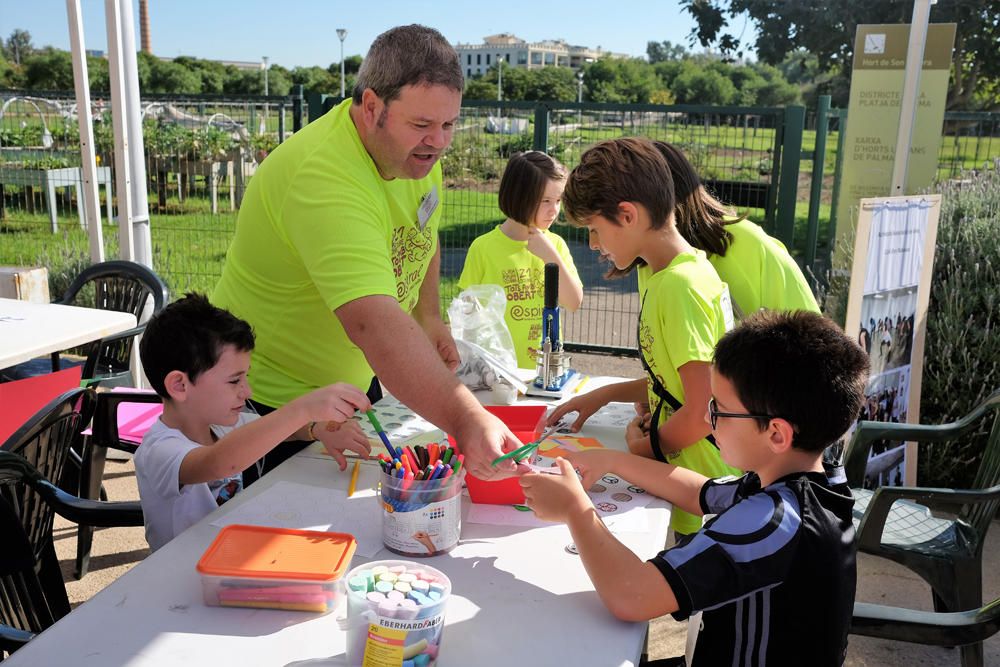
(615, 499)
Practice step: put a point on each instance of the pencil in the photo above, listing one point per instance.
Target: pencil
(354, 479)
(582, 382)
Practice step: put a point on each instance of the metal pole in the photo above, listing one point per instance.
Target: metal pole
(579, 100)
(142, 241)
(123, 183)
(89, 203)
(265, 59)
(342, 34)
(499, 78)
(911, 90)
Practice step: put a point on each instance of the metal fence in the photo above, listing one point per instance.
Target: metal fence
(778, 165)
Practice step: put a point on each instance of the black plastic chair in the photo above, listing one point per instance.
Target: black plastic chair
(32, 593)
(104, 436)
(892, 523)
(962, 628)
(115, 285)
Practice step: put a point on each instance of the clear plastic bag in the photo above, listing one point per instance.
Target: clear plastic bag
(477, 318)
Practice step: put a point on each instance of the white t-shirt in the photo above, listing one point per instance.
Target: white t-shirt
(167, 507)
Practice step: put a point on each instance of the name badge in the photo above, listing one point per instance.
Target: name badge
(427, 207)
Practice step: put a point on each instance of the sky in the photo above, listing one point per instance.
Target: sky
(303, 33)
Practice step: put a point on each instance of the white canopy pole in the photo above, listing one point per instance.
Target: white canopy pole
(123, 180)
(911, 91)
(140, 203)
(88, 190)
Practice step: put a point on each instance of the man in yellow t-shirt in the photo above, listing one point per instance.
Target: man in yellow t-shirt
(335, 262)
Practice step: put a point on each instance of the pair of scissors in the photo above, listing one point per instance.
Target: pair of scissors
(524, 451)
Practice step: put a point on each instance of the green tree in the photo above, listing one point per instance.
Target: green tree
(696, 84)
(658, 52)
(168, 76)
(626, 80)
(49, 69)
(18, 47)
(783, 26)
(480, 89)
(316, 79)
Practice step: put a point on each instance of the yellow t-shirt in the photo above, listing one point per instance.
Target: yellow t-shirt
(759, 271)
(686, 310)
(496, 259)
(318, 228)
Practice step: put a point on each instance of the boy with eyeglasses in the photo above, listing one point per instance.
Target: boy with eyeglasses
(774, 571)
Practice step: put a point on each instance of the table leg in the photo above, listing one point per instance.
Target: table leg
(79, 206)
(50, 196)
(213, 180)
(232, 185)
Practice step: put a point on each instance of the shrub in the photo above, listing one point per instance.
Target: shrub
(962, 357)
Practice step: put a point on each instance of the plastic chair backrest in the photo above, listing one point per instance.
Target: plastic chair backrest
(45, 442)
(21, 399)
(979, 515)
(115, 285)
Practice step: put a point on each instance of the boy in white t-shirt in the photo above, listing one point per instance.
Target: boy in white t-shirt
(197, 357)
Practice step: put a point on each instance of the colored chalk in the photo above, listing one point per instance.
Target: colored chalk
(391, 577)
(434, 595)
(403, 587)
(359, 584)
(407, 577)
(383, 586)
(421, 586)
(421, 660)
(379, 569)
(398, 569)
(387, 608)
(437, 587)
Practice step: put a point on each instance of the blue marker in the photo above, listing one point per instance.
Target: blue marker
(393, 452)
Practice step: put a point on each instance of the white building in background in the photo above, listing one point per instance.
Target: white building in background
(515, 52)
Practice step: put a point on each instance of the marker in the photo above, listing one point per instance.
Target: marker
(580, 385)
(354, 479)
(381, 434)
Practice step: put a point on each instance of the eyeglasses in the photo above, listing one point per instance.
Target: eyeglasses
(714, 414)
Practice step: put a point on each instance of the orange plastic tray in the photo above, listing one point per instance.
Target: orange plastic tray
(262, 552)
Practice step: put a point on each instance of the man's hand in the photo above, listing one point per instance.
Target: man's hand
(555, 497)
(483, 439)
(338, 437)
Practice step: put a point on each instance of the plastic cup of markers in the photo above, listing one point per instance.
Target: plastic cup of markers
(421, 518)
(395, 613)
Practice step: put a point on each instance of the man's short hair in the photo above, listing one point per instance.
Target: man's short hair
(630, 169)
(524, 181)
(408, 55)
(189, 335)
(799, 366)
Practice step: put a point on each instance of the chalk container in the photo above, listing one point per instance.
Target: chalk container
(421, 518)
(276, 568)
(395, 614)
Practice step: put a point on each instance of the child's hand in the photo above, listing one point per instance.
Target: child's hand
(335, 402)
(338, 437)
(590, 465)
(540, 246)
(584, 405)
(637, 436)
(555, 497)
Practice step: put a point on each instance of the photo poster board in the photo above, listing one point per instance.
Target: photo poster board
(887, 315)
(877, 74)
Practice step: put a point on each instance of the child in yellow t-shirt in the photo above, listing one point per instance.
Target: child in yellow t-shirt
(622, 192)
(514, 254)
